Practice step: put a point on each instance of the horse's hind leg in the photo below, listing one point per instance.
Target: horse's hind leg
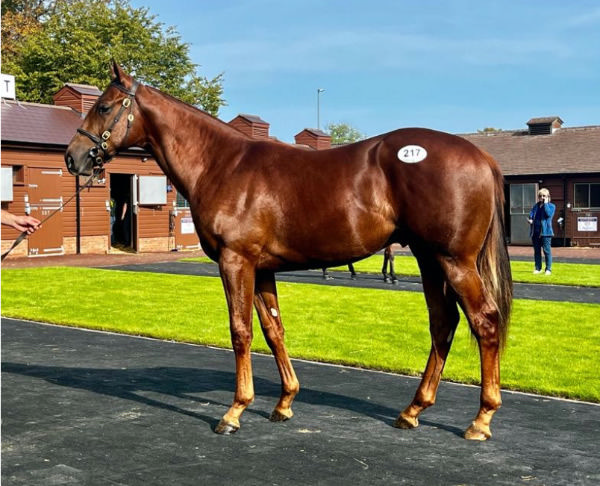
(267, 307)
(443, 319)
(483, 318)
(392, 257)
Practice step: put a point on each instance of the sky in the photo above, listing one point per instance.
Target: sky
(451, 65)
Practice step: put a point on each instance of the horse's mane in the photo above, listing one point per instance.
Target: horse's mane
(194, 110)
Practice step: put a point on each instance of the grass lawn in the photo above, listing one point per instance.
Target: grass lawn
(553, 348)
(562, 273)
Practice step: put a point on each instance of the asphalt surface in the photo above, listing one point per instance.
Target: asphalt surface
(374, 281)
(89, 408)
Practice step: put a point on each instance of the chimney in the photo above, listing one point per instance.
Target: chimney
(79, 97)
(251, 125)
(544, 126)
(313, 138)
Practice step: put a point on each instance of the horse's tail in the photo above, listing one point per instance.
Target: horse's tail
(493, 262)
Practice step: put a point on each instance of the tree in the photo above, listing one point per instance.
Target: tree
(77, 39)
(487, 130)
(343, 133)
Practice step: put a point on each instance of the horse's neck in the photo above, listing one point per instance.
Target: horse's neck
(187, 143)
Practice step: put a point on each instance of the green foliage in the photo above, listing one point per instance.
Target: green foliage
(343, 133)
(79, 38)
(553, 347)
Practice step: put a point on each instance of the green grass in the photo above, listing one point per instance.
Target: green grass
(553, 347)
(562, 273)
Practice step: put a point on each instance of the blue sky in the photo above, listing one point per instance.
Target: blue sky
(455, 66)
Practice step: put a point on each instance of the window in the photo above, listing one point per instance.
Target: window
(182, 201)
(587, 196)
(18, 175)
(522, 198)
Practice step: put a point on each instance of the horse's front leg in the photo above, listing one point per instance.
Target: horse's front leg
(237, 274)
(267, 307)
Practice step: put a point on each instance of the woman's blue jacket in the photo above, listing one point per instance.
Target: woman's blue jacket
(547, 215)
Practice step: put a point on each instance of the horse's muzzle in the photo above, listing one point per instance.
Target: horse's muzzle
(79, 165)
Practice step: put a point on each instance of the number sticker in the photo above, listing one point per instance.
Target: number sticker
(411, 154)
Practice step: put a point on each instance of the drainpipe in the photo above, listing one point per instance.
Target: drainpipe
(565, 211)
(78, 217)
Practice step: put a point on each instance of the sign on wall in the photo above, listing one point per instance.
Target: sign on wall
(7, 184)
(7, 86)
(187, 226)
(587, 223)
(153, 190)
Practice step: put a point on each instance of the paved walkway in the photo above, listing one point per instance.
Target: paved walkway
(88, 408)
(558, 293)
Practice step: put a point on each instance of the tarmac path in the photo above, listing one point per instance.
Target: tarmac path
(369, 280)
(89, 408)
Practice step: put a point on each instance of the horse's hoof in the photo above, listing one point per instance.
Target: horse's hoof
(406, 422)
(476, 433)
(278, 416)
(394, 282)
(226, 428)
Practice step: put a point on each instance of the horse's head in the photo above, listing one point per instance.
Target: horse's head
(107, 128)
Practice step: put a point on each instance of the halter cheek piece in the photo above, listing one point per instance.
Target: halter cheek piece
(99, 152)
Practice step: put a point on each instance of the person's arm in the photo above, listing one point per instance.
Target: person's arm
(26, 224)
(124, 212)
(531, 215)
(549, 209)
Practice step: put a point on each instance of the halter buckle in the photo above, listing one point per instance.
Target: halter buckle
(106, 135)
(127, 102)
(130, 118)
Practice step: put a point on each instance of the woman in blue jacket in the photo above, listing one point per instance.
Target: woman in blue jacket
(540, 220)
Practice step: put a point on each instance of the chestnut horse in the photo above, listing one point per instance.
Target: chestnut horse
(260, 207)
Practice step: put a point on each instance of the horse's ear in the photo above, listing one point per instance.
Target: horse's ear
(118, 75)
(115, 71)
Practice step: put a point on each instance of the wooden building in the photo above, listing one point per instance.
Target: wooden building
(35, 181)
(566, 161)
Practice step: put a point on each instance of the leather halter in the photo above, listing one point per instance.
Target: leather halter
(99, 152)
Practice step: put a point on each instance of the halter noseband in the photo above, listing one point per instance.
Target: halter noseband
(102, 141)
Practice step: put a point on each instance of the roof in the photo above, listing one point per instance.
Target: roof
(85, 89)
(251, 118)
(36, 123)
(544, 120)
(315, 131)
(566, 151)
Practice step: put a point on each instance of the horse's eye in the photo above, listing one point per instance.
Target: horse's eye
(103, 109)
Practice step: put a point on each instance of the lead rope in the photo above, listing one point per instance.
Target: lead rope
(24, 235)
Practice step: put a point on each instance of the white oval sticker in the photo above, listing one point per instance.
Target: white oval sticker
(411, 154)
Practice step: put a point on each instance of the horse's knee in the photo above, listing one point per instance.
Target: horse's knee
(241, 340)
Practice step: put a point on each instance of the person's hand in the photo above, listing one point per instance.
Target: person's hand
(26, 224)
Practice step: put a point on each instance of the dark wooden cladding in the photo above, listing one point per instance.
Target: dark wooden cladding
(152, 221)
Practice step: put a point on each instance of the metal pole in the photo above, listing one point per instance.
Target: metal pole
(77, 218)
(319, 91)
